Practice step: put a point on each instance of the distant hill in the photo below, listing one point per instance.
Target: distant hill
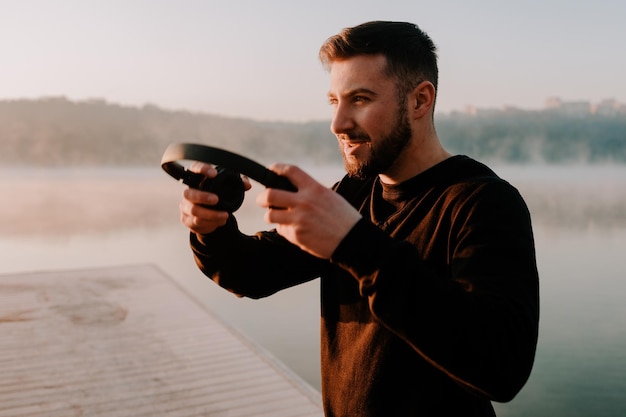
(546, 136)
(57, 131)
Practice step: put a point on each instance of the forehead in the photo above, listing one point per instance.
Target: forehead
(359, 72)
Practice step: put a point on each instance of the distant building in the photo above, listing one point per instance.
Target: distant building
(569, 108)
(554, 103)
(607, 107)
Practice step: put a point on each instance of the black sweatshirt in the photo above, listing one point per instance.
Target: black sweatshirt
(430, 304)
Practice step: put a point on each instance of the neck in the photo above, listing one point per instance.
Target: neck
(420, 155)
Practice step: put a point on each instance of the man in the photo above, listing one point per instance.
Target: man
(429, 285)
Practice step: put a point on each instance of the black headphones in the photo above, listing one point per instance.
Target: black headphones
(227, 184)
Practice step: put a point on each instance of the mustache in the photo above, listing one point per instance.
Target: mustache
(354, 137)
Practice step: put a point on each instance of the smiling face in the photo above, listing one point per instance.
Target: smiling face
(369, 120)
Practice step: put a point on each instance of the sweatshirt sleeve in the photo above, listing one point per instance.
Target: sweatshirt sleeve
(467, 300)
(252, 266)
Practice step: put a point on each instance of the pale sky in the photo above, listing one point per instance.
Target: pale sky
(258, 58)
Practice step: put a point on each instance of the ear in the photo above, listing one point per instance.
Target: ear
(422, 100)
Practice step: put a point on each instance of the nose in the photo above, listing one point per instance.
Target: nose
(342, 121)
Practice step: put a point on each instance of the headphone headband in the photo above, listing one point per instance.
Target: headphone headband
(225, 159)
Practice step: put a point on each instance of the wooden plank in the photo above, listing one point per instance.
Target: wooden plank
(128, 341)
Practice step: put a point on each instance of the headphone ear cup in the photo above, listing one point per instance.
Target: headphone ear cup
(229, 188)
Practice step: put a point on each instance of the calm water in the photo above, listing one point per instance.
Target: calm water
(580, 225)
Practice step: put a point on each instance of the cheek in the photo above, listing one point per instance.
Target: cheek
(376, 121)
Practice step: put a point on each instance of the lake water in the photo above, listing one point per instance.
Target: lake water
(579, 216)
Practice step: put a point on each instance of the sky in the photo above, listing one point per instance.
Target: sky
(258, 59)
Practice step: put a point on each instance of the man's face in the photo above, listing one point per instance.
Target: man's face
(369, 122)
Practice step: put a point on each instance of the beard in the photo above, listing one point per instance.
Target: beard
(382, 153)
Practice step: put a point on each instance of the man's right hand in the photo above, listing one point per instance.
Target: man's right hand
(195, 207)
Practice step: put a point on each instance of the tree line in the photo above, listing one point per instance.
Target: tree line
(59, 132)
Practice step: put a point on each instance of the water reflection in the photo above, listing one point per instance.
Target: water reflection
(579, 214)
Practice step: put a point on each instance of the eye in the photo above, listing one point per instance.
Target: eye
(359, 99)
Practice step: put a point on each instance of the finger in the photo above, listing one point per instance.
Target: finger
(296, 176)
(279, 216)
(261, 199)
(272, 198)
(200, 219)
(203, 168)
(246, 182)
(206, 216)
(200, 197)
(203, 225)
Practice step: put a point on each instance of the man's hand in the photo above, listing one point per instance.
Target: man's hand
(195, 207)
(314, 218)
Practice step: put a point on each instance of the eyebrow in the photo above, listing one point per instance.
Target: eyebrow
(355, 92)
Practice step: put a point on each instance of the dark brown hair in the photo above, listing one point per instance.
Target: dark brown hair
(411, 54)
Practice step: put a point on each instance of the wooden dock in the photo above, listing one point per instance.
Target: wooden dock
(128, 341)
